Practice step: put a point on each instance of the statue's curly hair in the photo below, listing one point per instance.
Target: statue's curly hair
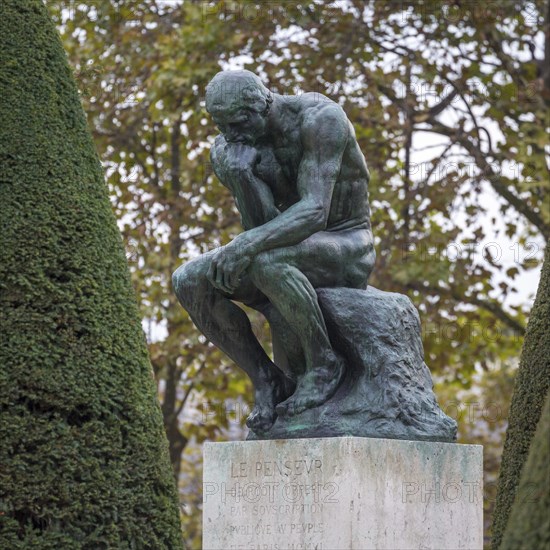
(233, 90)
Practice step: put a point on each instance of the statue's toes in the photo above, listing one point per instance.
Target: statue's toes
(254, 422)
(260, 420)
(292, 406)
(282, 408)
(300, 405)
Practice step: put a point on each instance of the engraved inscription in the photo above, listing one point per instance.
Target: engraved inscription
(277, 467)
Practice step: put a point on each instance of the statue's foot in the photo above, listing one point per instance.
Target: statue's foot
(261, 418)
(314, 388)
(266, 398)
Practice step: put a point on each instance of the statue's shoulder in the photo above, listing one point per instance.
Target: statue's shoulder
(318, 113)
(313, 105)
(312, 99)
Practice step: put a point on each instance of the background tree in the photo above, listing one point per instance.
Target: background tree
(530, 394)
(142, 69)
(419, 77)
(84, 455)
(448, 103)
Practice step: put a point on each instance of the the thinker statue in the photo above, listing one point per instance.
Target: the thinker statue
(300, 182)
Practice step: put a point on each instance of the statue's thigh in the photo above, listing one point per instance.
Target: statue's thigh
(247, 293)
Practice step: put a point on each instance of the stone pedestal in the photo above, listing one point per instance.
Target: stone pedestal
(342, 493)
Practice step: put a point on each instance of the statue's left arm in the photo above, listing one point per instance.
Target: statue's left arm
(325, 133)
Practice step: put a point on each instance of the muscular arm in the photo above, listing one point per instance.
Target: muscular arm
(325, 132)
(253, 196)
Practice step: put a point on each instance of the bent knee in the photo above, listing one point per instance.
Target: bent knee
(188, 279)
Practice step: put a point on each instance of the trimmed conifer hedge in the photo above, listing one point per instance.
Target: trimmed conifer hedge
(531, 389)
(83, 455)
(529, 524)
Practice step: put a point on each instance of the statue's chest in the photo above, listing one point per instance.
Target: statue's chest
(288, 152)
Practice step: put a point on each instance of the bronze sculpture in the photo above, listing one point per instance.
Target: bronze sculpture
(300, 182)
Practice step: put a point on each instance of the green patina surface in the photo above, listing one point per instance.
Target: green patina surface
(348, 361)
(83, 457)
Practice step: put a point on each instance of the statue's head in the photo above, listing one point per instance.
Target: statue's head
(238, 102)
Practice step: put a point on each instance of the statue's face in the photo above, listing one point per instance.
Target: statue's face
(243, 125)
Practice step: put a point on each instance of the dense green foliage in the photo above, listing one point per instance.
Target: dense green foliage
(532, 386)
(529, 523)
(84, 460)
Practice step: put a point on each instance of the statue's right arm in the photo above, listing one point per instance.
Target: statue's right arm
(253, 196)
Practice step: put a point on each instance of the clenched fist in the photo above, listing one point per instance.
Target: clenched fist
(239, 158)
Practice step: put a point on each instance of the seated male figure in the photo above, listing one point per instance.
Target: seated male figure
(300, 183)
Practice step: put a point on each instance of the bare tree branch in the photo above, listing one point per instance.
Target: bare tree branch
(499, 186)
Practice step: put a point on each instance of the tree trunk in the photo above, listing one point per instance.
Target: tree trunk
(84, 455)
(530, 392)
(170, 406)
